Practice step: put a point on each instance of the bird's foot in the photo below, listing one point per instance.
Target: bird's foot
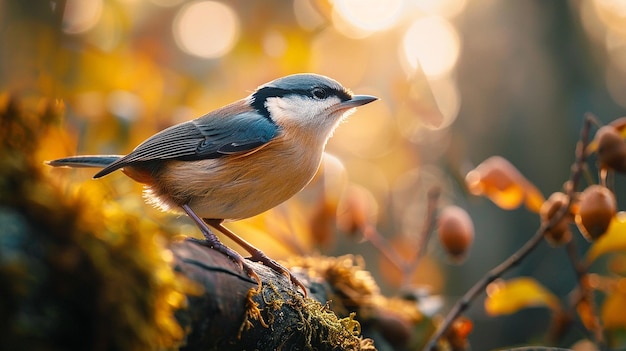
(256, 255)
(259, 256)
(232, 254)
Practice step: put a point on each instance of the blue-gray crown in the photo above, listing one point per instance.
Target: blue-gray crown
(305, 84)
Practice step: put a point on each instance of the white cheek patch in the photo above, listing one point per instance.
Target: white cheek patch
(303, 111)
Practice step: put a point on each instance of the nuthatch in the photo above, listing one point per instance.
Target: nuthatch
(239, 160)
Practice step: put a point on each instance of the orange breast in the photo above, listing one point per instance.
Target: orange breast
(236, 187)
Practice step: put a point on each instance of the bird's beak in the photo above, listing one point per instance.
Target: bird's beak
(356, 101)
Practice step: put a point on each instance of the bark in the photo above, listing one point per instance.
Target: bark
(230, 315)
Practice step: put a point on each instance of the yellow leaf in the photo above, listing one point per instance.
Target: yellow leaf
(613, 240)
(613, 315)
(534, 197)
(497, 179)
(506, 297)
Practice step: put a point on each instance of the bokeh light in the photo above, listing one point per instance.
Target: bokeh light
(274, 43)
(90, 105)
(605, 23)
(432, 43)
(207, 29)
(166, 3)
(81, 15)
(330, 50)
(124, 105)
(307, 15)
(369, 15)
(444, 8)
(591, 21)
(612, 13)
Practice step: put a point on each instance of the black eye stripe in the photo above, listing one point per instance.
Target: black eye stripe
(260, 96)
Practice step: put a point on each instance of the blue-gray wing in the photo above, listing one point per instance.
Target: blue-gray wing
(202, 138)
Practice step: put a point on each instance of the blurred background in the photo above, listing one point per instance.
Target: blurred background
(458, 81)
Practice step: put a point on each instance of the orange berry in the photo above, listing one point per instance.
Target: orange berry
(458, 333)
(560, 233)
(455, 231)
(597, 208)
(611, 149)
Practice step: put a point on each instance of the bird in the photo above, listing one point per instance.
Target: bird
(237, 161)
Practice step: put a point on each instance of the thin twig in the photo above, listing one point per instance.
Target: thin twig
(586, 295)
(462, 304)
(424, 238)
(378, 241)
(407, 266)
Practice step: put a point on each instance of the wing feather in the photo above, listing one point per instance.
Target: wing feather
(210, 136)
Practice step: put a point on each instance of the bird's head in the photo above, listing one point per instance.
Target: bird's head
(307, 102)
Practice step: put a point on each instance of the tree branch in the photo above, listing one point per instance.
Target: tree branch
(463, 303)
(230, 315)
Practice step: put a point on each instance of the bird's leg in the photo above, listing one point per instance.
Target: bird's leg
(256, 254)
(210, 240)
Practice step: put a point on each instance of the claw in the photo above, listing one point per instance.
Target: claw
(252, 274)
(260, 256)
(256, 255)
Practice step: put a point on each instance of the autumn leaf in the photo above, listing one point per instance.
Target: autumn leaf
(613, 240)
(613, 315)
(507, 297)
(497, 179)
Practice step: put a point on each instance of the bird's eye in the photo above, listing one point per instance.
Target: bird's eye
(319, 93)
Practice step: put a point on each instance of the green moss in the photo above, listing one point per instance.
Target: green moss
(77, 271)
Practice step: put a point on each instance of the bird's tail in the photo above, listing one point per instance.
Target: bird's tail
(93, 161)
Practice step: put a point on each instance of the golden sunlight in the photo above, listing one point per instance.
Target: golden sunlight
(307, 15)
(612, 14)
(444, 8)
(167, 3)
(432, 43)
(81, 15)
(206, 29)
(368, 15)
(274, 43)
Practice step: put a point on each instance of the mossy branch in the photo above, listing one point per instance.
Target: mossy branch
(231, 314)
